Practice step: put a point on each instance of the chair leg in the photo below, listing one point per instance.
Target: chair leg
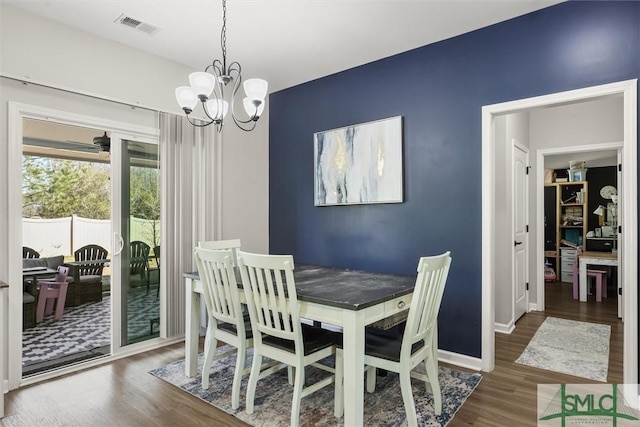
(253, 379)
(598, 287)
(297, 396)
(210, 343)
(290, 373)
(42, 299)
(371, 373)
(241, 357)
(338, 395)
(62, 296)
(431, 367)
(407, 397)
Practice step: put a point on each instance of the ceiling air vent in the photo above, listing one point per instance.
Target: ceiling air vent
(136, 24)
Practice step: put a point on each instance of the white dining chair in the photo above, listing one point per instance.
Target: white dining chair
(231, 244)
(227, 322)
(415, 343)
(278, 334)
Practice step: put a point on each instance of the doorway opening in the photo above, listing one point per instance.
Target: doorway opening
(115, 317)
(627, 91)
(67, 221)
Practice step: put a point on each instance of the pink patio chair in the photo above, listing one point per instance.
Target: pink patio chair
(50, 292)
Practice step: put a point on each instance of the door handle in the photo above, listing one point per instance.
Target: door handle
(120, 243)
(517, 243)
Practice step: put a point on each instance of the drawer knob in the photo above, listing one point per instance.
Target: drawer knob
(401, 304)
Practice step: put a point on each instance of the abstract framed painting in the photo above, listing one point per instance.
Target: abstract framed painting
(359, 164)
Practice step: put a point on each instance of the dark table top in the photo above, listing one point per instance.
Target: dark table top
(350, 289)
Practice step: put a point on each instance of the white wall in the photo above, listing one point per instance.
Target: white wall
(46, 51)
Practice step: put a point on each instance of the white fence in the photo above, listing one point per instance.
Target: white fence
(62, 236)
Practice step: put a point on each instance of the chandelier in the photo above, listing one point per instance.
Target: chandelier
(208, 87)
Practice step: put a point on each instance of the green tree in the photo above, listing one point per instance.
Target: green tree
(145, 198)
(55, 188)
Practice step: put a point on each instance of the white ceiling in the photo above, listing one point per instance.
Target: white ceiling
(286, 42)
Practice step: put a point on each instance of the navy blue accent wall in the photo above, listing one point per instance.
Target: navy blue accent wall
(439, 91)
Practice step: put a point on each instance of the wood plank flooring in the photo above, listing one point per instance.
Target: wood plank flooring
(122, 393)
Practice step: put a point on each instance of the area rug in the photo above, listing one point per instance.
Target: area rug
(272, 407)
(570, 347)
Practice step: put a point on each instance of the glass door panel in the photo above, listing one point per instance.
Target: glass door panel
(139, 226)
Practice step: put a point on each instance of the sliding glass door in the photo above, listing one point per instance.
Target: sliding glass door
(137, 240)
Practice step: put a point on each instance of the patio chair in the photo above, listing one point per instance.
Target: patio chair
(52, 292)
(86, 285)
(139, 260)
(27, 252)
(156, 256)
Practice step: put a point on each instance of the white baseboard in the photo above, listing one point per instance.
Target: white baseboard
(461, 360)
(504, 329)
(533, 307)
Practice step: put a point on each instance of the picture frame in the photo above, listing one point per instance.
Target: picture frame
(359, 164)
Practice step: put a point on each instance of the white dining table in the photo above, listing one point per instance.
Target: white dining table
(346, 298)
(593, 258)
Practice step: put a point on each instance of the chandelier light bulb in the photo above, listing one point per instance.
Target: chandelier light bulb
(256, 88)
(217, 109)
(250, 108)
(202, 84)
(187, 100)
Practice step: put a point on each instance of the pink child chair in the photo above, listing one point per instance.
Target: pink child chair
(600, 276)
(50, 291)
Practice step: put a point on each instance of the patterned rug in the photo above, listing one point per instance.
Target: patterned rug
(85, 330)
(570, 347)
(272, 408)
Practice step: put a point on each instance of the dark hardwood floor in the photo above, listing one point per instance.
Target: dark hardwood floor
(507, 396)
(122, 393)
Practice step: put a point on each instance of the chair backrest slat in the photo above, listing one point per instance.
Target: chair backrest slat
(425, 303)
(271, 294)
(219, 284)
(90, 253)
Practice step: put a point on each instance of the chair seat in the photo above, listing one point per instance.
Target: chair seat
(314, 339)
(386, 344)
(232, 329)
(90, 278)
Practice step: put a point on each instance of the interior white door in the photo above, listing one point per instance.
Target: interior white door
(520, 198)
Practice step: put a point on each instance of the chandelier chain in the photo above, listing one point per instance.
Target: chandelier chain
(223, 36)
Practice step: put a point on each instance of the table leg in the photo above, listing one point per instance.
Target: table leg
(192, 325)
(353, 342)
(583, 280)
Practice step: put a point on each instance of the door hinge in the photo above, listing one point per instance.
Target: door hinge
(619, 229)
(619, 291)
(527, 229)
(527, 171)
(619, 167)
(527, 287)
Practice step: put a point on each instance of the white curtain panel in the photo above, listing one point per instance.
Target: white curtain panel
(187, 161)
